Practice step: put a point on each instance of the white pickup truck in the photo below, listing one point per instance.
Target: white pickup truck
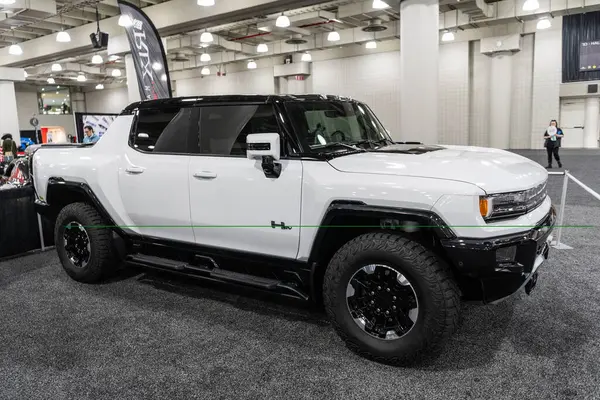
(306, 196)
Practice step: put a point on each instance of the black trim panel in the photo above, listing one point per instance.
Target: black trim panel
(351, 208)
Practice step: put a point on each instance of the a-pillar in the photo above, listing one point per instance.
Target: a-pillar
(419, 73)
(590, 130)
(9, 122)
(133, 90)
(500, 100)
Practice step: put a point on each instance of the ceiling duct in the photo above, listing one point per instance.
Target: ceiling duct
(375, 25)
(296, 39)
(180, 57)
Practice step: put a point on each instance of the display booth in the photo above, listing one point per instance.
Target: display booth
(54, 134)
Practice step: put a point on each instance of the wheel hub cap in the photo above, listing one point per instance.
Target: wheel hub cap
(77, 244)
(382, 302)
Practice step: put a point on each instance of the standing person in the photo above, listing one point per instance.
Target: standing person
(553, 137)
(9, 147)
(89, 135)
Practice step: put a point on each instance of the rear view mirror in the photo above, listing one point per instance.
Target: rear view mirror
(262, 145)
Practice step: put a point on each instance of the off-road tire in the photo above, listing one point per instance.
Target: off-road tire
(102, 260)
(436, 290)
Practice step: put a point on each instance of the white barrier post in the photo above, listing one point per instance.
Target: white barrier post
(561, 215)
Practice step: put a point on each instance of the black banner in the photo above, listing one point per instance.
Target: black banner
(148, 54)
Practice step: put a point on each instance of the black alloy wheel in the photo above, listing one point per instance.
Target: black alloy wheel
(77, 244)
(382, 301)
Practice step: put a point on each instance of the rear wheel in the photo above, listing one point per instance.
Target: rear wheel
(83, 243)
(390, 299)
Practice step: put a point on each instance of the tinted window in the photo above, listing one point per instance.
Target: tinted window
(163, 131)
(222, 130)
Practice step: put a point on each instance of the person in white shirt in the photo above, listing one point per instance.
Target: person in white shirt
(553, 137)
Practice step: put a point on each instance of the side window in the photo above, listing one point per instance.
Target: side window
(164, 130)
(222, 130)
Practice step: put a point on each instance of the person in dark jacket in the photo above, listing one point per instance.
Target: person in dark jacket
(9, 147)
(553, 137)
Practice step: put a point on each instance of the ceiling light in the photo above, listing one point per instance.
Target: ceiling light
(56, 68)
(206, 3)
(116, 73)
(99, 87)
(81, 78)
(157, 66)
(125, 21)
(544, 23)
(25, 73)
(113, 58)
(262, 48)
(282, 21)
(15, 50)
(252, 65)
(51, 81)
(531, 5)
(205, 57)
(371, 45)
(162, 78)
(63, 37)
(206, 37)
(205, 71)
(333, 36)
(306, 57)
(97, 59)
(58, 87)
(447, 37)
(379, 4)
(57, 92)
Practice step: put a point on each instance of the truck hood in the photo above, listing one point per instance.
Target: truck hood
(493, 170)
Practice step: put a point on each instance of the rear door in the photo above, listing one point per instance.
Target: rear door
(153, 174)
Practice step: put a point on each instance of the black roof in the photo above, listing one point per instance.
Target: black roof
(252, 98)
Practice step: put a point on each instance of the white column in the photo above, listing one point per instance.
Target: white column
(9, 122)
(500, 100)
(419, 47)
(295, 86)
(590, 130)
(133, 90)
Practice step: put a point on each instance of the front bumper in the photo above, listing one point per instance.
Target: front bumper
(494, 268)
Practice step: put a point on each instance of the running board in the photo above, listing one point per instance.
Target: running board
(214, 274)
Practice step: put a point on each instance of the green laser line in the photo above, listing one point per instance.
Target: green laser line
(329, 226)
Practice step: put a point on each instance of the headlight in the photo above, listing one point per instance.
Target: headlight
(510, 205)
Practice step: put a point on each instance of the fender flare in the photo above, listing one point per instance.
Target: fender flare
(357, 208)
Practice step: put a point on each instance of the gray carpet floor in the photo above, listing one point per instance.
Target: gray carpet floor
(152, 336)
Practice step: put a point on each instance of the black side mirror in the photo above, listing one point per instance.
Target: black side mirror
(270, 167)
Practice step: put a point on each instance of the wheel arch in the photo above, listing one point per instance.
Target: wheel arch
(345, 220)
(61, 192)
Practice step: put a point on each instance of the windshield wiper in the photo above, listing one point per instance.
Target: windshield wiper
(371, 142)
(339, 144)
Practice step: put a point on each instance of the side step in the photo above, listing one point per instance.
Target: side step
(214, 274)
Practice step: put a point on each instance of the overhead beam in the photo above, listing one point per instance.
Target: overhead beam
(169, 18)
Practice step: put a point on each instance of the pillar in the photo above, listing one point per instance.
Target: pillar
(499, 128)
(590, 130)
(419, 49)
(9, 122)
(133, 90)
(296, 84)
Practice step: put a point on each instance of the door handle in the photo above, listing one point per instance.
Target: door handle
(134, 170)
(205, 175)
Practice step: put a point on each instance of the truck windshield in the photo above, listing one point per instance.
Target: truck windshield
(337, 126)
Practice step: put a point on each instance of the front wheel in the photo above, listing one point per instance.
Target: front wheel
(390, 299)
(83, 243)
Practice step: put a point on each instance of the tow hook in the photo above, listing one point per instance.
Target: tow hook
(531, 284)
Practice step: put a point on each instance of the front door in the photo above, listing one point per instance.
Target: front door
(234, 206)
(153, 175)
